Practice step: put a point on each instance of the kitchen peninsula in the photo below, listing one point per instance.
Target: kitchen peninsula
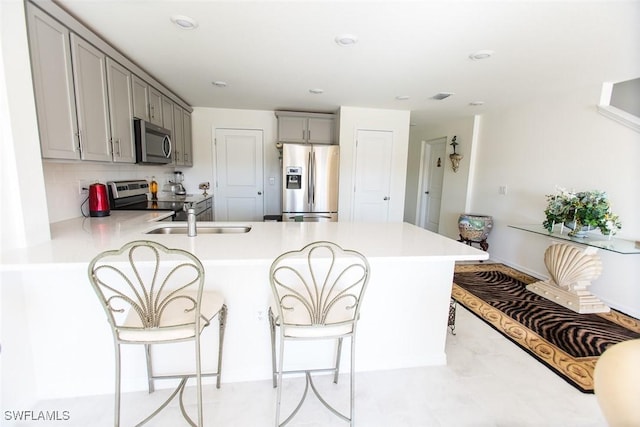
(63, 343)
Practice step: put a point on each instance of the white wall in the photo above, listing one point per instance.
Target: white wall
(22, 196)
(205, 121)
(62, 178)
(536, 147)
(353, 119)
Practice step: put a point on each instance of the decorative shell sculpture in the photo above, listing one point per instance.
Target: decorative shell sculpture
(571, 268)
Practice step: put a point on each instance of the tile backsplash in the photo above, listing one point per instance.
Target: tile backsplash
(62, 181)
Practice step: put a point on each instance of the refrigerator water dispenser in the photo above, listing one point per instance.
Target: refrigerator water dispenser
(293, 178)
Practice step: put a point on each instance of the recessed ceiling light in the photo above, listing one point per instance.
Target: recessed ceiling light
(346, 39)
(219, 83)
(476, 103)
(481, 54)
(442, 95)
(184, 22)
(316, 91)
(402, 97)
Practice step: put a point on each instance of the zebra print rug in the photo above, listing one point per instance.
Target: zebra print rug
(567, 342)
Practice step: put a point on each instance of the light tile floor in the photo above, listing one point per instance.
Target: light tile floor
(488, 381)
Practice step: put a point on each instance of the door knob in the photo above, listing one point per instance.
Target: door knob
(426, 192)
(386, 198)
(259, 193)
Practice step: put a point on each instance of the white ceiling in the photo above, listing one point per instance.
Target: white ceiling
(271, 53)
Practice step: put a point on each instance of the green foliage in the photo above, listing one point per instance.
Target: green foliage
(585, 208)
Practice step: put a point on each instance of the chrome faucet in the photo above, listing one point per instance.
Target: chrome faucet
(191, 219)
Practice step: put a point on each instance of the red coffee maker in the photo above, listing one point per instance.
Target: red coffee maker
(98, 200)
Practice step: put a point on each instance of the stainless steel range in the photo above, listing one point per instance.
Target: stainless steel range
(132, 196)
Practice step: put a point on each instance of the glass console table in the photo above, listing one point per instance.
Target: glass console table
(594, 239)
(572, 269)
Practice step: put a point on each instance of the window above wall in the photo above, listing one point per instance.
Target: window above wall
(621, 102)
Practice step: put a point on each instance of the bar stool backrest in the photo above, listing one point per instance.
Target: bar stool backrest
(319, 285)
(143, 284)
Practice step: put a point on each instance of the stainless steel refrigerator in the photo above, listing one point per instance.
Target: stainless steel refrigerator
(310, 182)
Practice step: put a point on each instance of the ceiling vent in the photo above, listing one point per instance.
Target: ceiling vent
(442, 95)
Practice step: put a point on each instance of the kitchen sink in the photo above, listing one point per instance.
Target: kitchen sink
(202, 229)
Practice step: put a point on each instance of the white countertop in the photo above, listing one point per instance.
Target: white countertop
(78, 240)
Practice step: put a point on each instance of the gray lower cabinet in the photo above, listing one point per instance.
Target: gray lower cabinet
(90, 82)
(120, 112)
(204, 210)
(53, 85)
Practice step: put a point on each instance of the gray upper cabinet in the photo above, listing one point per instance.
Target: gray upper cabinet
(316, 128)
(183, 152)
(155, 106)
(178, 134)
(147, 102)
(321, 130)
(90, 82)
(140, 90)
(187, 150)
(168, 123)
(120, 112)
(53, 85)
(292, 129)
(167, 113)
(87, 95)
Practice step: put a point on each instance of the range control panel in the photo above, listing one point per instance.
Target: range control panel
(120, 189)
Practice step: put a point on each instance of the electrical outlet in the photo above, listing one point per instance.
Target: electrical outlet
(83, 187)
(502, 190)
(261, 315)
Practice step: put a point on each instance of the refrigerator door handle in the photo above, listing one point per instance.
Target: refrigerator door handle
(313, 175)
(309, 178)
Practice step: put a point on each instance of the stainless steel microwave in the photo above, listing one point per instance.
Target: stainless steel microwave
(153, 143)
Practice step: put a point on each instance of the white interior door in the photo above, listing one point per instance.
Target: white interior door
(239, 175)
(432, 175)
(372, 175)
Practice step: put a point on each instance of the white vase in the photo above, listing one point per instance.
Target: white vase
(580, 233)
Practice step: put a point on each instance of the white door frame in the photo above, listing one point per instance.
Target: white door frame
(425, 160)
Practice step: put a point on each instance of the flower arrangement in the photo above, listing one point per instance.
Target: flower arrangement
(585, 209)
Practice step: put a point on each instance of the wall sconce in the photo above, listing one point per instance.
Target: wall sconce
(455, 157)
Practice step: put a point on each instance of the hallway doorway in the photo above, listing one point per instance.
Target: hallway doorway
(430, 185)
